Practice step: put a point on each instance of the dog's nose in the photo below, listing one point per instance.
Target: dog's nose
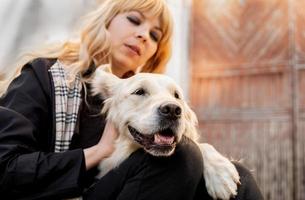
(171, 111)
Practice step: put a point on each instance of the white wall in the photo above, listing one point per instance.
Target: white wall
(28, 23)
(178, 67)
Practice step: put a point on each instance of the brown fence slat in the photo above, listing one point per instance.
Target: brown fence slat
(248, 68)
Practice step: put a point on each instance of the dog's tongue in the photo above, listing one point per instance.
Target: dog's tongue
(161, 139)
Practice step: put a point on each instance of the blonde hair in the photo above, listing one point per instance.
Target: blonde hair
(94, 43)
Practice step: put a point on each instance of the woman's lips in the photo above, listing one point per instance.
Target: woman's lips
(134, 49)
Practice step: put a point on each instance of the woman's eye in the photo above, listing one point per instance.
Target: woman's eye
(134, 20)
(139, 92)
(154, 36)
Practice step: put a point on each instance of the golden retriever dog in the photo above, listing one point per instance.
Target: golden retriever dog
(149, 112)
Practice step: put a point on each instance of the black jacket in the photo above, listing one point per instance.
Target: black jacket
(27, 137)
(29, 168)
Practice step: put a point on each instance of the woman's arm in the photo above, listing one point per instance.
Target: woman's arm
(28, 167)
(26, 171)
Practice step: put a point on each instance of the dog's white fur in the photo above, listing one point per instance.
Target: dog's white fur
(125, 107)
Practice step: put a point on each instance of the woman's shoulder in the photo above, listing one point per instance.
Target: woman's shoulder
(39, 68)
(41, 64)
(34, 80)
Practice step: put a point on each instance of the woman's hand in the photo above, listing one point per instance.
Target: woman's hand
(103, 149)
(106, 143)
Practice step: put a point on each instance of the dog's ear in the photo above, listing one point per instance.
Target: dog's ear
(104, 82)
(191, 123)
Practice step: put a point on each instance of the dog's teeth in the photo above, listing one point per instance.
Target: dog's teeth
(159, 139)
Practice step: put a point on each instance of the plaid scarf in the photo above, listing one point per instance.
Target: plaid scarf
(67, 101)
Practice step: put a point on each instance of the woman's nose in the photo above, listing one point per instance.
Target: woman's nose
(142, 34)
(140, 37)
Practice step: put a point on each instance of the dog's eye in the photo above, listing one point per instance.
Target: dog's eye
(140, 91)
(177, 95)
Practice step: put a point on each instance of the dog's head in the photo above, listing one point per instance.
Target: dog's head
(146, 108)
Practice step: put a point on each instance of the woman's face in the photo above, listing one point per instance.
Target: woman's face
(134, 40)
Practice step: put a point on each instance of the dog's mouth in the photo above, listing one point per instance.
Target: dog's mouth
(160, 143)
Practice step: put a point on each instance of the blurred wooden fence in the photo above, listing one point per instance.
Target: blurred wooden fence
(248, 87)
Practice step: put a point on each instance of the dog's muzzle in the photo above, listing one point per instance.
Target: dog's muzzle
(169, 111)
(161, 142)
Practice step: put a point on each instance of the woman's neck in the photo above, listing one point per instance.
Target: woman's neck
(117, 71)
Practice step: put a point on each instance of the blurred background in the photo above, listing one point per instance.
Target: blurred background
(241, 64)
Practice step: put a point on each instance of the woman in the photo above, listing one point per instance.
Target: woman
(50, 130)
